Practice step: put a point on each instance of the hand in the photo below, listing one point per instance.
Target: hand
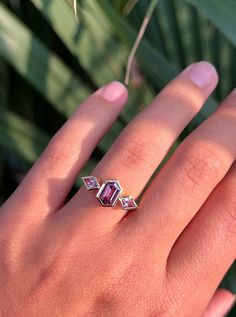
(165, 258)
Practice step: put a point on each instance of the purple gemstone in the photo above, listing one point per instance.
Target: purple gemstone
(109, 193)
(91, 182)
(128, 203)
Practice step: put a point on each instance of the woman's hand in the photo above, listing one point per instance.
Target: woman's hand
(165, 258)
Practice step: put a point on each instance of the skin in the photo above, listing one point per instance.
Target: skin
(164, 259)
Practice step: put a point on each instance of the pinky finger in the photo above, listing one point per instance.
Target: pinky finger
(220, 304)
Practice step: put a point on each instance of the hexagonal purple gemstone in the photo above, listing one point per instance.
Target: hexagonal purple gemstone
(109, 193)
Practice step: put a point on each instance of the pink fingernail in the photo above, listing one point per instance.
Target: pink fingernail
(203, 74)
(233, 92)
(112, 91)
(231, 305)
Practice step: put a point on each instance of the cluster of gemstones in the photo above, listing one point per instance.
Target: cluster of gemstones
(109, 193)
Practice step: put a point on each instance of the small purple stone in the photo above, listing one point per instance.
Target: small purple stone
(109, 193)
(128, 203)
(90, 182)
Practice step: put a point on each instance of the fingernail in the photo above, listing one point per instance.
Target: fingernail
(231, 305)
(233, 92)
(112, 91)
(203, 74)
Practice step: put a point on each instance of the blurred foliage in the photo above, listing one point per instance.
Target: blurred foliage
(49, 62)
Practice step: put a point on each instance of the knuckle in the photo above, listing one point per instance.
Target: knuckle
(136, 148)
(178, 92)
(8, 253)
(109, 293)
(119, 276)
(229, 201)
(199, 165)
(104, 304)
(56, 154)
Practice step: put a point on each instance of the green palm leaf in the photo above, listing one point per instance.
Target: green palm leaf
(41, 67)
(221, 14)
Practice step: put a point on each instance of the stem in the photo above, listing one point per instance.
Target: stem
(143, 27)
(75, 9)
(129, 6)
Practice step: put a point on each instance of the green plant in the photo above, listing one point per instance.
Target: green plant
(50, 61)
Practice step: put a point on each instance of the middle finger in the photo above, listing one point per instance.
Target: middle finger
(143, 144)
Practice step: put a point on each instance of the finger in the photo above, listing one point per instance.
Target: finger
(48, 182)
(207, 247)
(185, 182)
(220, 304)
(145, 141)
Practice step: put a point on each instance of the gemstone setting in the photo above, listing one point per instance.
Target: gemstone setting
(91, 182)
(128, 203)
(109, 193)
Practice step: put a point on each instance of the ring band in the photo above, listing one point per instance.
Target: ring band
(109, 192)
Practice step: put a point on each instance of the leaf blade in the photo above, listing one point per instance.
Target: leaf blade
(221, 14)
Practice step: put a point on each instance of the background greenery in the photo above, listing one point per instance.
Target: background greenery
(49, 62)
